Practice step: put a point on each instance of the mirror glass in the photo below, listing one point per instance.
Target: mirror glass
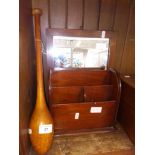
(77, 52)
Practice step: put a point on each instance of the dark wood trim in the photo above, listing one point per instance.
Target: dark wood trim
(49, 44)
(79, 33)
(129, 79)
(27, 75)
(126, 112)
(124, 67)
(49, 13)
(71, 68)
(126, 39)
(89, 77)
(112, 45)
(85, 131)
(83, 103)
(74, 32)
(117, 84)
(66, 19)
(83, 14)
(114, 15)
(124, 43)
(99, 13)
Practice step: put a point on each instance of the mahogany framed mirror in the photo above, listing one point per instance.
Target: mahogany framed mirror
(84, 49)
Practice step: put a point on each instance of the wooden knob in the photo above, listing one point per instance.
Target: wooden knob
(36, 11)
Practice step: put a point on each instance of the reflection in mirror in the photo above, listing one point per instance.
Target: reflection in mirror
(80, 52)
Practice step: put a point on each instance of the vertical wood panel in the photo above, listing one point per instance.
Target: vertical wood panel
(107, 13)
(120, 26)
(128, 67)
(27, 74)
(112, 51)
(91, 14)
(58, 13)
(114, 16)
(126, 112)
(75, 14)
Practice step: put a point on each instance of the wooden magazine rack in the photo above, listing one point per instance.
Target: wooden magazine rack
(83, 99)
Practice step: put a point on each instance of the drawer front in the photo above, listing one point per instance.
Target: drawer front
(64, 115)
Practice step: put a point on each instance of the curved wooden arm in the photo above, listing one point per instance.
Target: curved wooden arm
(115, 79)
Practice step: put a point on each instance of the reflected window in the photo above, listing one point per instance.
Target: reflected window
(80, 52)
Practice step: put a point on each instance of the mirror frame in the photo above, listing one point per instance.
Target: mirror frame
(50, 32)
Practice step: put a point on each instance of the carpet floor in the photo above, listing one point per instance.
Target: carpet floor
(100, 143)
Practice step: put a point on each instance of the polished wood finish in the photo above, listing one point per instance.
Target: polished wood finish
(111, 15)
(98, 93)
(75, 14)
(107, 14)
(66, 94)
(91, 14)
(58, 13)
(121, 22)
(74, 33)
(129, 79)
(44, 23)
(75, 94)
(80, 33)
(76, 91)
(27, 75)
(126, 113)
(128, 67)
(41, 114)
(43, 5)
(79, 77)
(64, 116)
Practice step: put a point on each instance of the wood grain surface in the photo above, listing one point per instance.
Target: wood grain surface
(41, 115)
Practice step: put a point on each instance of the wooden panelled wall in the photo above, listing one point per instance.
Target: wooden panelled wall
(112, 15)
(27, 75)
(128, 56)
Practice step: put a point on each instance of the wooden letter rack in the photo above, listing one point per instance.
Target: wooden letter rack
(83, 99)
